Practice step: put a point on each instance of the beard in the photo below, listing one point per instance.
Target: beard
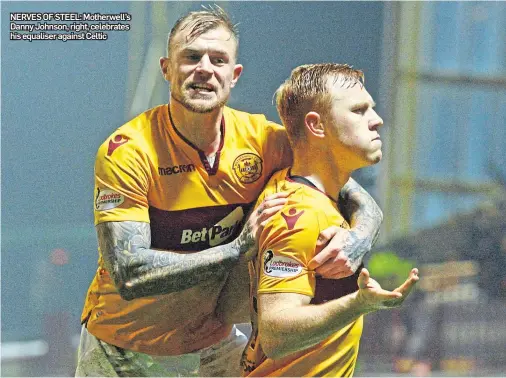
(202, 107)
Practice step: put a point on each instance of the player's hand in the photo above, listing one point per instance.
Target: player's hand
(257, 220)
(373, 297)
(338, 253)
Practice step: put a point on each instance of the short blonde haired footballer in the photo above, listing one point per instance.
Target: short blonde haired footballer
(199, 22)
(307, 89)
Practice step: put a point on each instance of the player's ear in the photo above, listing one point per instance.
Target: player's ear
(314, 125)
(164, 67)
(237, 73)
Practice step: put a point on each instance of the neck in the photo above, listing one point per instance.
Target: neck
(202, 129)
(322, 169)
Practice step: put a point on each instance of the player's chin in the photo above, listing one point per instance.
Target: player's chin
(202, 105)
(369, 160)
(375, 156)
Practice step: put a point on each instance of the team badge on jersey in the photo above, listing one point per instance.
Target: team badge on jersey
(115, 142)
(280, 266)
(248, 167)
(108, 199)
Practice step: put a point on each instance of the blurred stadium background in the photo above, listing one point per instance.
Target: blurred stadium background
(438, 73)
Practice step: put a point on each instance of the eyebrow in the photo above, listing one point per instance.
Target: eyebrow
(198, 51)
(365, 103)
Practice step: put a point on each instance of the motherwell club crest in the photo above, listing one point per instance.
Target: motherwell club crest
(248, 168)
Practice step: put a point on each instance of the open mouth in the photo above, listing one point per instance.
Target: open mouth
(204, 88)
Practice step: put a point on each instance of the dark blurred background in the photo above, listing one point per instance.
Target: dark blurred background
(438, 73)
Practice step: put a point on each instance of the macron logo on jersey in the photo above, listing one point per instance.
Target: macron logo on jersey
(216, 234)
(291, 218)
(115, 142)
(167, 171)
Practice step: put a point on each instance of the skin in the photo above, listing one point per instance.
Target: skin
(202, 72)
(354, 124)
(288, 323)
(139, 271)
(339, 251)
(346, 138)
(340, 139)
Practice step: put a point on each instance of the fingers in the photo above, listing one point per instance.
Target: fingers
(263, 209)
(387, 295)
(335, 268)
(269, 206)
(273, 200)
(334, 274)
(264, 218)
(363, 278)
(410, 282)
(331, 256)
(326, 249)
(329, 252)
(284, 194)
(326, 235)
(319, 260)
(332, 240)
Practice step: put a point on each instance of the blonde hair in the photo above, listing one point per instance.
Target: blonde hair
(308, 89)
(199, 22)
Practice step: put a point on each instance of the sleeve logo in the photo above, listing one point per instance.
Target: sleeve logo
(108, 199)
(280, 266)
(292, 217)
(248, 168)
(115, 142)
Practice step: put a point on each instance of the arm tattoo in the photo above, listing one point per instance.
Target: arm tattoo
(365, 218)
(139, 271)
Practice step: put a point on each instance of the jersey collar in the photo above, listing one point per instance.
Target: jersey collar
(211, 170)
(305, 181)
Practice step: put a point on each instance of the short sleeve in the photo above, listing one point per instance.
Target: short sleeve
(122, 180)
(287, 244)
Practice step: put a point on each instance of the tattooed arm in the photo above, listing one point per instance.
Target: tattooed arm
(365, 218)
(138, 270)
(341, 252)
(233, 302)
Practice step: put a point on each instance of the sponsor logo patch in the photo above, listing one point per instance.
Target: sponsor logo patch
(292, 217)
(107, 199)
(216, 234)
(280, 266)
(115, 142)
(183, 168)
(248, 167)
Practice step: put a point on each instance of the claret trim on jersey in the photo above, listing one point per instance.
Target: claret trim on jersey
(305, 181)
(210, 170)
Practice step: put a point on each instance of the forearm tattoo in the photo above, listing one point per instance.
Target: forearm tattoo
(365, 218)
(139, 271)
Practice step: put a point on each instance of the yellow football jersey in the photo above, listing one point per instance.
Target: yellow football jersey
(286, 246)
(147, 171)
